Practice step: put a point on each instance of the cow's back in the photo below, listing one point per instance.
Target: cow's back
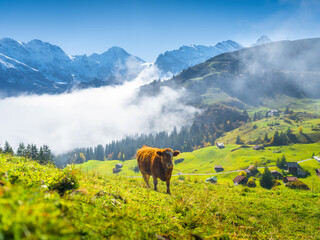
(145, 157)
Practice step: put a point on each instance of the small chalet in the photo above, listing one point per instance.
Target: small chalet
(251, 167)
(273, 113)
(289, 179)
(258, 147)
(293, 167)
(218, 168)
(318, 172)
(220, 145)
(119, 165)
(276, 174)
(212, 180)
(240, 180)
(116, 170)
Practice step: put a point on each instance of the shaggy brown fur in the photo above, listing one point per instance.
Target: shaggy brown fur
(157, 163)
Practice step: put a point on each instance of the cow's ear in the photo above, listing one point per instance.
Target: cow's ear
(176, 153)
(159, 153)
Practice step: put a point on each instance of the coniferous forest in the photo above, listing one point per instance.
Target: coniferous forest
(205, 129)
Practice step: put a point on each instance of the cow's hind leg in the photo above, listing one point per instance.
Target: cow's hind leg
(146, 179)
(155, 183)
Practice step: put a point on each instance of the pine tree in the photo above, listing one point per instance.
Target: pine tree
(41, 157)
(266, 179)
(266, 138)
(246, 116)
(287, 110)
(47, 153)
(80, 158)
(254, 117)
(283, 162)
(21, 151)
(28, 151)
(276, 139)
(34, 152)
(89, 154)
(239, 141)
(7, 148)
(99, 153)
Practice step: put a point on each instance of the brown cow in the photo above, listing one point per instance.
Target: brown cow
(157, 163)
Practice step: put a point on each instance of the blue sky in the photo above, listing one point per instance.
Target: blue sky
(148, 28)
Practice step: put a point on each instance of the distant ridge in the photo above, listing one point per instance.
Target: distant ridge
(187, 56)
(289, 69)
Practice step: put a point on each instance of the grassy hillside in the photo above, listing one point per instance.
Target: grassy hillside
(267, 75)
(253, 130)
(105, 167)
(233, 157)
(115, 207)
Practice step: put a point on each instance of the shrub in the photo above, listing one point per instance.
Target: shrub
(136, 169)
(180, 160)
(251, 183)
(275, 183)
(65, 181)
(181, 177)
(239, 140)
(281, 163)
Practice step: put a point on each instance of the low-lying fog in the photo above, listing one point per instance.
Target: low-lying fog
(92, 116)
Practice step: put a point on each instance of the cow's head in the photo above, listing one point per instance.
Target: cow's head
(167, 156)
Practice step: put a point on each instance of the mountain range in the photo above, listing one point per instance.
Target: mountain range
(187, 56)
(251, 75)
(40, 67)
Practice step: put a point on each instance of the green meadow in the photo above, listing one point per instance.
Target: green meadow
(33, 205)
(202, 161)
(89, 201)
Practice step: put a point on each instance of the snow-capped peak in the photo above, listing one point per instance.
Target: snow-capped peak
(186, 56)
(262, 40)
(37, 45)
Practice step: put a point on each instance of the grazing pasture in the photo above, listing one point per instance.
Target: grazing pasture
(123, 208)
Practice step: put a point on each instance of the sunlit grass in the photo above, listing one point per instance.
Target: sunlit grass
(122, 207)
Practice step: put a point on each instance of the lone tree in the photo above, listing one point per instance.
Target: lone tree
(266, 179)
(239, 140)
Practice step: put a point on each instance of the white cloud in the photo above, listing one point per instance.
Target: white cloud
(92, 116)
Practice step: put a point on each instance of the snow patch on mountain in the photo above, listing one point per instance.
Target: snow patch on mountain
(187, 56)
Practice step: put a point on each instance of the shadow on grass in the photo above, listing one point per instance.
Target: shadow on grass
(309, 140)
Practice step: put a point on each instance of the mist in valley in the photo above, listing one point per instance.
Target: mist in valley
(93, 116)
